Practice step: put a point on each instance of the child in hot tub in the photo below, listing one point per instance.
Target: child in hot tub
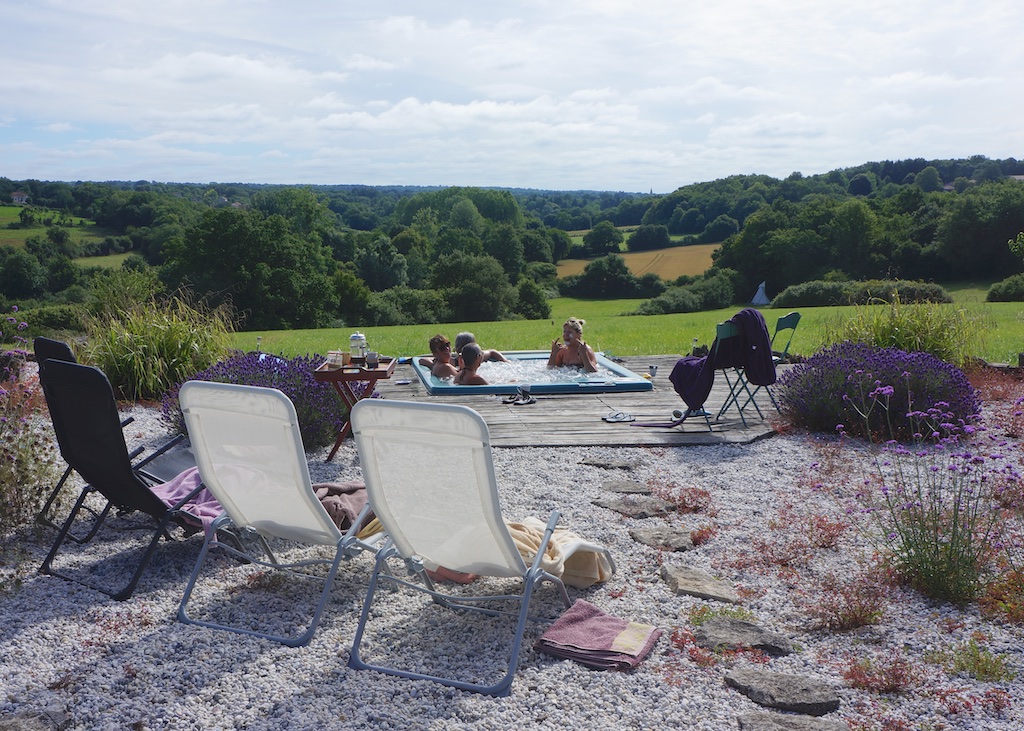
(471, 356)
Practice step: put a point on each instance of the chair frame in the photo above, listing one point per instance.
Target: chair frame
(789, 322)
(737, 382)
(366, 436)
(199, 400)
(121, 484)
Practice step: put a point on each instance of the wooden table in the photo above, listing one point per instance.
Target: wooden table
(343, 378)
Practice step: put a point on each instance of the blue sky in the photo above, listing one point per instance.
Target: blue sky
(561, 94)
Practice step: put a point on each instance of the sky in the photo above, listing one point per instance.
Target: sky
(614, 95)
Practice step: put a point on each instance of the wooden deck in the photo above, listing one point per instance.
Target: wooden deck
(575, 420)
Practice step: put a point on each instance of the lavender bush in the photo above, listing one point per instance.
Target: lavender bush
(837, 385)
(318, 407)
(10, 334)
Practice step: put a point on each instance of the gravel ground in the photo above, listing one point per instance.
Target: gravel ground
(116, 665)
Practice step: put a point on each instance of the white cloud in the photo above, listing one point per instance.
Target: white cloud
(603, 94)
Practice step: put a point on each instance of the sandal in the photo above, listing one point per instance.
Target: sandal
(618, 416)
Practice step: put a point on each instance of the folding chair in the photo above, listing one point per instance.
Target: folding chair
(250, 456)
(737, 381)
(167, 460)
(743, 353)
(88, 429)
(456, 523)
(786, 322)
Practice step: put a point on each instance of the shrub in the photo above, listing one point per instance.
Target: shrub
(950, 334)
(27, 461)
(319, 409)
(830, 387)
(823, 292)
(148, 349)
(1008, 290)
(818, 293)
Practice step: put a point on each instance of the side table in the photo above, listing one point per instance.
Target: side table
(343, 378)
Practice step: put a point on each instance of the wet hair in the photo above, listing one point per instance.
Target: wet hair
(576, 324)
(462, 340)
(438, 342)
(471, 355)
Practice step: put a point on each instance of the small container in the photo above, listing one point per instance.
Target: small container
(335, 359)
(357, 345)
(372, 359)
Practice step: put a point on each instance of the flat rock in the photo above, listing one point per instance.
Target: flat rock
(779, 722)
(54, 717)
(728, 633)
(692, 582)
(786, 692)
(608, 464)
(634, 506)
(664, 537)
(628, 487)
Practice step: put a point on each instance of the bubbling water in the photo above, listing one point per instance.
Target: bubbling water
(535, 370)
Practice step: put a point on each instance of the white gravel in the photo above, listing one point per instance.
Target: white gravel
(117, 665)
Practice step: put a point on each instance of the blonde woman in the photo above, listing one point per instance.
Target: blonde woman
(571, 350)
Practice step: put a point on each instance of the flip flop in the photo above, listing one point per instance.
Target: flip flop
(524, 400)
(618, 416)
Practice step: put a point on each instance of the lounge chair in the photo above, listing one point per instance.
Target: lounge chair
(89, 433)
(452, 522)
(166, 461)
(250, 456)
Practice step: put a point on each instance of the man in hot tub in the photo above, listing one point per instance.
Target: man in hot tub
(440, 365)
(574, 352)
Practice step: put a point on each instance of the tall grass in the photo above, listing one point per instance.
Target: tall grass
(950, 333)
(152, 346)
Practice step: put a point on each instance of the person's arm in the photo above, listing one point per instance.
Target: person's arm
(426, 362)
(493, 354)
(556, 348)
(589, 358)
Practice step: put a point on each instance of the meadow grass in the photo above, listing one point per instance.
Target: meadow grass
(620, 335)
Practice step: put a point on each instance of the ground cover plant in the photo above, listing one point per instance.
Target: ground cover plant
(27, 459)
(319, 410)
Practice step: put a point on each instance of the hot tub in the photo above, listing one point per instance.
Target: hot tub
(610, 377)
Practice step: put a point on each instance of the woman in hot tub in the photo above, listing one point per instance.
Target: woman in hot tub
(574, 352)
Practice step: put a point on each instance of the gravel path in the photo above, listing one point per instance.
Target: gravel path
(117, 665)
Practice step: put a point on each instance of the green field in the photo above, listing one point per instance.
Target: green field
(83, 230)
(615, 334)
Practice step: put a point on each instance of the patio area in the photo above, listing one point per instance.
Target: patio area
(575, 420)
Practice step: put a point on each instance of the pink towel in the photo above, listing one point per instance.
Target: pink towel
(598, 640)
(203, 507)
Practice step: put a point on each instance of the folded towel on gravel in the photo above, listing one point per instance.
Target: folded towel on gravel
(598, 640)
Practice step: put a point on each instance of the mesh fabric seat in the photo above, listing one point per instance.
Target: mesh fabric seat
(89, 433)
(456, 523)
(250, 456)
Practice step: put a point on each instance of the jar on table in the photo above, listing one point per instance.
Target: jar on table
(357, 345)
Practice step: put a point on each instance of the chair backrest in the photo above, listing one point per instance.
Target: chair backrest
(48, 349)
(88, 429)
(430, 480)
(249, 452)
(726, 351)
(786, 322)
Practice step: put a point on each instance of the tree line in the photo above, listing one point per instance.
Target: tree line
(313, 256)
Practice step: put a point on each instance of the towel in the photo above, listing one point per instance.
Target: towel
(204, 507)
(342, 500)
(598, 640)
(575, 561)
